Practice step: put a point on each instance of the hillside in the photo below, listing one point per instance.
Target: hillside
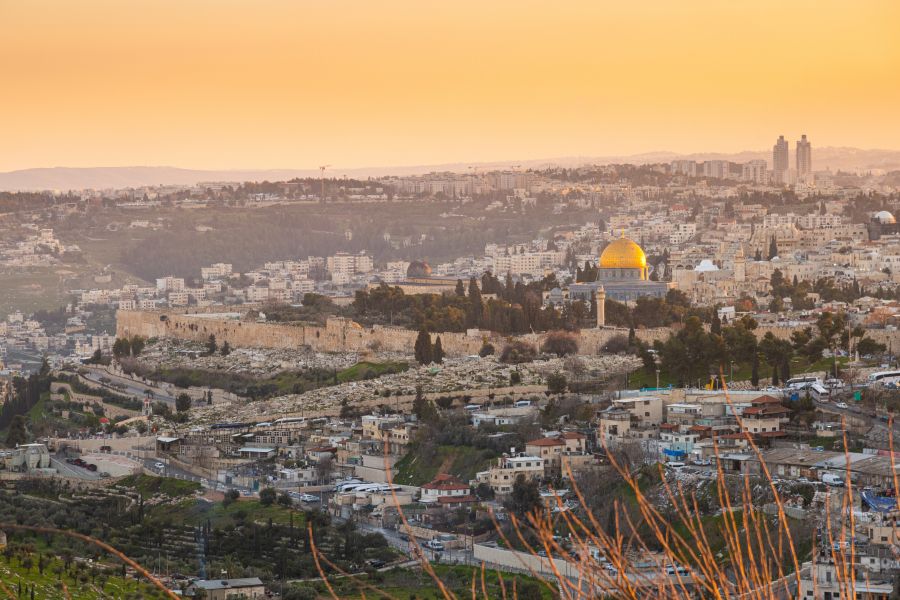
(79, 178)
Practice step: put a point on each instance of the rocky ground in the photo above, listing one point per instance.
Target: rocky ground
(453, 375)
(254, 362)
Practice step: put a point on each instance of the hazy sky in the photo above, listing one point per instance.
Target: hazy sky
(299, 83)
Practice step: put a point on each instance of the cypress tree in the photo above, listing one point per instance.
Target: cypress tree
(716, 325)
(437, 351)
(422, 348)
(475, 304)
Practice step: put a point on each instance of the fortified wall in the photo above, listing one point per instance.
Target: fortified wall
(337, 335)
(344, 335)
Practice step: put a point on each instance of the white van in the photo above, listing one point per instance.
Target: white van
(833, 480)
(523, 403)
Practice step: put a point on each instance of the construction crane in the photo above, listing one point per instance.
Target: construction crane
(322, 169)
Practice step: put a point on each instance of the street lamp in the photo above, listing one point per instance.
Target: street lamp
(657, 378)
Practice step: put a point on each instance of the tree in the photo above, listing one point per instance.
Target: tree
(689, 354)
(121, 348)
(476, 306)
(267, 496)
(778, 354)
(226, 349)
(754, 372)
(437, 352)
(323, 467)
(211, 345)
(556, 383)
(518, 352)
(17, 433)
(424, 408)
(230, 496)
(773, 248)
(487, 349)
(137, 345)
(183, 403)
(528, 590)
(830, 326)
(423, 352)
(740, 341)
(560, 343)
(867, 346)
(716, 324)
(800, 338)
(525, 497)
(460, 288)
(484, 491)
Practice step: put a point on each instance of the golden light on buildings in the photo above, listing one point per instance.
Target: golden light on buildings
(623, 254)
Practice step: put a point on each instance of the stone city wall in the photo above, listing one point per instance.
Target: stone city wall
(337, 335)
(345, 335)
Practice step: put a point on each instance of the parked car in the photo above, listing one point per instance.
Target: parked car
(435, 545)
(308, 498)
(159, 466)
(842, 405)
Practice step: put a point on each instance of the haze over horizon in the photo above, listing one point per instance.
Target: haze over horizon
(285, 85)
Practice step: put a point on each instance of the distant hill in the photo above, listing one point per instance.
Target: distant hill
(71, 178)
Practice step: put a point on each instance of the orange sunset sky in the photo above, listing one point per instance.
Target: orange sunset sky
(299, 83)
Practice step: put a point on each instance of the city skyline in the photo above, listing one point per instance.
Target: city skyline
(216, 86)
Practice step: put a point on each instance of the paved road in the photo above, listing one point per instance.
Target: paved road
(170, 470)
(132, 387)
(396, 540)
(67, 470)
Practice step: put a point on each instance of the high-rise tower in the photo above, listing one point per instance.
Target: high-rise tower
(804, 157)
(780, 162)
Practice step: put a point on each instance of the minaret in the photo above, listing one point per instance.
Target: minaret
(600, 303)
(740, 265)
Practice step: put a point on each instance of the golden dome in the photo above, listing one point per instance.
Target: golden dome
(623, 254)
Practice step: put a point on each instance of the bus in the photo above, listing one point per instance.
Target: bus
(819, 392)
(884, 377)
(289, 420)
(800, 383)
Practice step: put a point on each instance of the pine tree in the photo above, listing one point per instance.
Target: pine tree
(754, 373)
(758, 256)
(773, 248)
(716, 324)
(460, 288)
(437, 351)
